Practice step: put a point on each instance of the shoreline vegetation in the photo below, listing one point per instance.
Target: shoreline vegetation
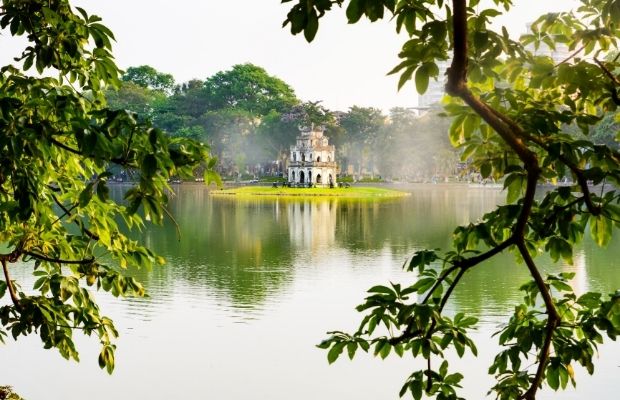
(361, 192)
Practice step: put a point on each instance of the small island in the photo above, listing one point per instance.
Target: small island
(312, 172)
(344, 192)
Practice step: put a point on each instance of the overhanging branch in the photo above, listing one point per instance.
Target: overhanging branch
(515, 138)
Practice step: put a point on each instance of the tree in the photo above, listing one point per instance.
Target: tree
(416, 147)
(605, 132)
(58, 141)
(362, 126)
(137, 99)
(148, 77)
(509, 108)
(250, 88)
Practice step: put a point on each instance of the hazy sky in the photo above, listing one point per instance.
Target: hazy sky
(345, 65)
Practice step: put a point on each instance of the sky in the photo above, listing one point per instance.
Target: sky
(345, 65)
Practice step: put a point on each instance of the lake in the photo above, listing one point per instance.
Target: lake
(252, 286)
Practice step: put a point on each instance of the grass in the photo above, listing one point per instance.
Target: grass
(348, 193)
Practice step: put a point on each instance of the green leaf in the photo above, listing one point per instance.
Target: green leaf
(423, 284)
(601, 230)
(515, 188)
(485, 170)
(481, 39)
(354, 11)
(351, 348)
(590, 300)
(421, 259)
(416, 389)
(103, 192)
(335, 352)
(405, 76)
(443, 368)
(553, 378)
(312, 26)
(421, 79)
(380, 289)
(86, 195)
(149, 165)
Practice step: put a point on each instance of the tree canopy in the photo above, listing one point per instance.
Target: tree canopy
(513, 110)
(250, 88)
(58, 142)
(243, 137)
(148, 77)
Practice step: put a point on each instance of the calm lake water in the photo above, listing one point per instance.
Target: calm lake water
(252, 286)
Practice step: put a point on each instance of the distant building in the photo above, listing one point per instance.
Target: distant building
(312, 160)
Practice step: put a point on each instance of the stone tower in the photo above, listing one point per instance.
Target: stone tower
(312, 160)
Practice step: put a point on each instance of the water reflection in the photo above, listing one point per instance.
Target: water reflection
(311, 224)
(253, 285)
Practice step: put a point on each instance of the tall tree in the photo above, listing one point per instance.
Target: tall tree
(148, 77)
(249, 87)
(58, 141)
(137, 99)
(510, 108)
(363, 126)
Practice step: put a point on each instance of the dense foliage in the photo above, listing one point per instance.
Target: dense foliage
(513, 114)
(58, 141)
(251, 118)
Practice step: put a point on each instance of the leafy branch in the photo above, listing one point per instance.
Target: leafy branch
(513, 130)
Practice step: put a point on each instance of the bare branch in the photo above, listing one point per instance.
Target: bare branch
(567, 59)
(553, 321)
(9, 284)
(65, 147)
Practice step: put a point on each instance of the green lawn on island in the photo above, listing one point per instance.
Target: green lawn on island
(350, 192)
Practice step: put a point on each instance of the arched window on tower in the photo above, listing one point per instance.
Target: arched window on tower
(318, 159)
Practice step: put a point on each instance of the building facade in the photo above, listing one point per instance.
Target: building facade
(312, 161)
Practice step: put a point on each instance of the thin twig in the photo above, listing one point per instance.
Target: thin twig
(567, 59)
(67, 211)
(607, 72)
(43, 257)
